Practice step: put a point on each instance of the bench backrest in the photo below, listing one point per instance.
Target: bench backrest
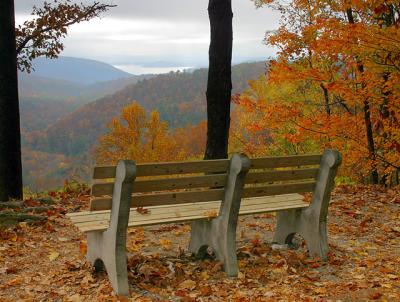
(281, 175)
(165, 183)
(200, 181)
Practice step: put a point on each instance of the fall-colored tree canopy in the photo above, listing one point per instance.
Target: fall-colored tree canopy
(144, 137)
(334, 84)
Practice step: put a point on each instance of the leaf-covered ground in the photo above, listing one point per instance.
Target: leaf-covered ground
(45, 261)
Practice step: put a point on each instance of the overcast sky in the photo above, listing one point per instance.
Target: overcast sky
(161, 33)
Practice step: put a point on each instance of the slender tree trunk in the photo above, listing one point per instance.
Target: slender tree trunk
(367, 116)
(326, 98)
(10, 137)
(219, 85)
(370, 139)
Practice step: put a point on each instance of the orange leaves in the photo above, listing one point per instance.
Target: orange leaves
(83, 247)
(211, 214)
(334, 58)
(146, 138)
(142, 210)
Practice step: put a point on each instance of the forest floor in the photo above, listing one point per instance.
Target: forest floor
(45, 260)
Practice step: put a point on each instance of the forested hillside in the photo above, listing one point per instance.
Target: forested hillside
(179, 98)
(63, 132)
(45, 100)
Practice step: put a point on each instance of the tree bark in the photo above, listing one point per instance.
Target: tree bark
(367, 116)
(326, 98)
(10, 137)
(219, 84)
(370, 139)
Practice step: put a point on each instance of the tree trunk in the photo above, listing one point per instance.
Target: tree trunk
(367, 116)
(219, 84)
(10, 137)
(326, 98)
(370, 139)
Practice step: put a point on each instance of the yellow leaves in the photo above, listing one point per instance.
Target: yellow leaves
(165, 244)
(53, 255)
(187, 285)
(328, 61)
(396, 229)
(143, 138)
(211, 214)
(75, 298)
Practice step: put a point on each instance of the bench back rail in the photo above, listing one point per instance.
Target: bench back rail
(201, 181)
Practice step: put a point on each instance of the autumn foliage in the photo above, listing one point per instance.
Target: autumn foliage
(335, 84)
(145, 137)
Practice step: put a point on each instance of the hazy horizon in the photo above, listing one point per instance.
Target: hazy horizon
(161, 36)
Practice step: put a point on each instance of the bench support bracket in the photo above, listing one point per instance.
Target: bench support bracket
(220, 233)
(108, 248)
(310, 222)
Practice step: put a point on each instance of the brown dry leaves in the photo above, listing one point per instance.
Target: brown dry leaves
(363, 261)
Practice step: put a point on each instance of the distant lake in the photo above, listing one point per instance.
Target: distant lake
(138, 69)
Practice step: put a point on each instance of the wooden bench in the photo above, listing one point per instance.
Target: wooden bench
(211, 194)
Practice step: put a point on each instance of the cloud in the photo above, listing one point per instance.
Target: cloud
(175, 31)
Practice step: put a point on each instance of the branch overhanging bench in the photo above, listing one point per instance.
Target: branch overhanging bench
(190, 191)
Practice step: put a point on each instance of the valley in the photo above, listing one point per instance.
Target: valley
(61, 119)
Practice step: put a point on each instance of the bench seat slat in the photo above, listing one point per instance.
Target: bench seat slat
(188, 212)
(183, 209)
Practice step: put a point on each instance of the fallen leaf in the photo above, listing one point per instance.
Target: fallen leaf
(211, 214)
(187, 284)
(396, 229)
(142, 210)
(75, 298)
(375, 296)
(165, 244)
(83, 247)
(53, 256)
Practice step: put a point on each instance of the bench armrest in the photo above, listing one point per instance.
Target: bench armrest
(238, 168)
(122, 196)
(330, 162)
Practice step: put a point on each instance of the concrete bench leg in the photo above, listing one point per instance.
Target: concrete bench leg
(108, 249)
(220, 232)
(310, 222)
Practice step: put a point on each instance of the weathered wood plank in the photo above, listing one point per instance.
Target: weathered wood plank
(184, 209)
(217, 180)
(279, 189)
(154, 185)
(285, 161)
(280, 175)
(162, 199)
(155, 215)
(193, 214)
(152, 169)
(206, 195)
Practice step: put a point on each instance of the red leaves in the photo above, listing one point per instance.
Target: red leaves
(363, 263)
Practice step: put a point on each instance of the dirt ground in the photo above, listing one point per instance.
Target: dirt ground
(46, 261)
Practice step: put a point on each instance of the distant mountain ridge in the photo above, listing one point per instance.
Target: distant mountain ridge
(178, 96)
(77, 70)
